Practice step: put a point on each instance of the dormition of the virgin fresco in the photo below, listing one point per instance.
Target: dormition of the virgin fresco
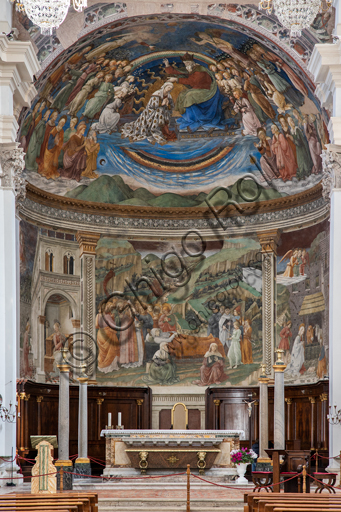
(202, 328)
(302, 303)
(161, 114)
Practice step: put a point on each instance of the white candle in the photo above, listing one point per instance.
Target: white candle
(119, 422)
(109, 419)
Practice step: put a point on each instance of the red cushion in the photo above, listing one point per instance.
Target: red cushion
(326, 474)
(289, 473)
(262, 472)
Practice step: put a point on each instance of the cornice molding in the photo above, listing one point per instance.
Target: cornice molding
(65, 203)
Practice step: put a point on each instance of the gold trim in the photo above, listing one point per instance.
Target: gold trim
(100, 401)
(27, 397)
(288, 401)
(39, 399)
(139, 401)
(63, 463)
(82, 380)
(279, 368)
(263, 380)
(170, 450)
(82, 461)
(66, 203)
(63, 368)
(172, 413)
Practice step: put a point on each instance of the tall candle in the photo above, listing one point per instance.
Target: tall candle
(119, 422)
(109, 419)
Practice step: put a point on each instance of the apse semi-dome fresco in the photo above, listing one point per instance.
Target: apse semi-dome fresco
(162, 113)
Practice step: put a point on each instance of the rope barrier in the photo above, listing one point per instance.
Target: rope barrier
(125, 477)
(325, 485)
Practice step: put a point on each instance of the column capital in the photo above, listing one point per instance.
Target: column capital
(216, 402)
(269, 240)
(288, 401)
(324, 397)
(87, 242)
(12, 165)
(312, 399)
(39, 399)
(139, 401)
(331, 177)
(100, 401)
(75, 323)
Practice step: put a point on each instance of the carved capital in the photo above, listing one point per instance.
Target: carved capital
(312, 399)
(139, 401)
(288, 401)
(331, 177)
(216, 403)
(100, 401)
(269, 240)
(39, 399)
(324, 397)
(27, 397)
(87, 242)
(11, 173)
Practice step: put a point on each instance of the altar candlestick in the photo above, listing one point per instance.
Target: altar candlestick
(109, 419)
(119, 422)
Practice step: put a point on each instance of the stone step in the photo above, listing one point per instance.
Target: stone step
(153, 504)
(162, 508)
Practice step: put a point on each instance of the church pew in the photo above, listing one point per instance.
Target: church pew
(280, 508)
(253, 500)
(77, 505)
(313, 506)
(90, 500)
(38, 507)
(263, 506)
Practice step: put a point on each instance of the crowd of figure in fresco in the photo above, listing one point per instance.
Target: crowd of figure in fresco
(254, 89)
(130, 336)
(294, 351)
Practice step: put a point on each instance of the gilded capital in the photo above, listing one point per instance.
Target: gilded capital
(288, 401)
(312, 399)
(39, 399)
(216, 402)
(324, 397)
(269, 240)
(139, 401)
(100, 401)
(87, 242)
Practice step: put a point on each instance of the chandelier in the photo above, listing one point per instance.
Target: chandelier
(334, 417)
(48, 14)
(295, 15)
(8, 415)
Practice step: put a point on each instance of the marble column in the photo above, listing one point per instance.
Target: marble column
(263, 414)
(82, 463)
(279, 413)
(63, 421)
(269, 241)
(87, 243)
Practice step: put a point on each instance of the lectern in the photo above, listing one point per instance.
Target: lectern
(275, 454)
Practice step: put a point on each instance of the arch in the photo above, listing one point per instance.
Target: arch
(64, 294)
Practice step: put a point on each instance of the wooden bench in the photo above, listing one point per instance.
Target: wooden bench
(80, 502)
(263, 505)
(256, 502)
(262, 479)
(329, 485)
(312, 506)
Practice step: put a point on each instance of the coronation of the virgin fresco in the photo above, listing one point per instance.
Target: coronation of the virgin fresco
(161, 114)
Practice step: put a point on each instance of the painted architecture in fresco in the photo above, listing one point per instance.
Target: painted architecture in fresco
(302, 305)
(201, 327)
(161, 114)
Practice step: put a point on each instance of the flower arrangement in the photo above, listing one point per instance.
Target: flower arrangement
(243, 456)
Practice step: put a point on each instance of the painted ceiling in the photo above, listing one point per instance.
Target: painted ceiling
(163, 113)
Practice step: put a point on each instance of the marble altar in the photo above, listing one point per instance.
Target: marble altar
(132, 452)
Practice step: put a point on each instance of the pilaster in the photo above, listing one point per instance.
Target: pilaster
(263, 413)
(269, 242)
(331, 181)
(279, 403)
(87, 244)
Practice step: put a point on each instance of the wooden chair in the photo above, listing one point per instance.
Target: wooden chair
(328, 484)
(262, 479)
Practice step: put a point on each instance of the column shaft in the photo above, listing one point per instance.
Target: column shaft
(263, 417)
(63, 414)
(83, 421)
(279, 429)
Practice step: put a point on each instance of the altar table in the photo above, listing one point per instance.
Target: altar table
(135, 451)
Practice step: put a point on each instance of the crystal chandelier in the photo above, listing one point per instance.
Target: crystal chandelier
(48, 14)
(295, 15)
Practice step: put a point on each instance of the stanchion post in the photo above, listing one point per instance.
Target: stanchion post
(316, 461)
(304, 479)
(188, 508)
(61, 478)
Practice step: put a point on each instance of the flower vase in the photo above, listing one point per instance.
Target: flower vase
(241, 470)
